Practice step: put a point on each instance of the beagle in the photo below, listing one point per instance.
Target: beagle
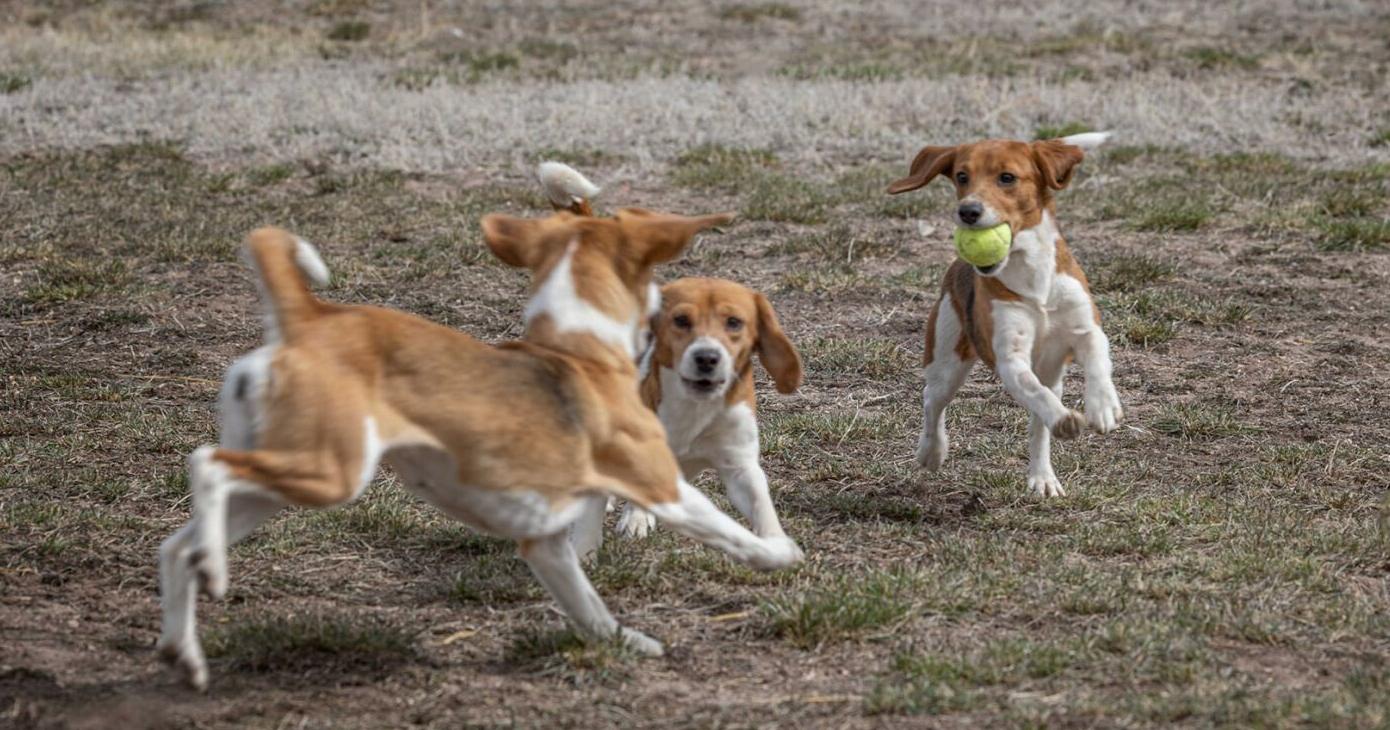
(524, 440)
(698, 377)
(1025, 317)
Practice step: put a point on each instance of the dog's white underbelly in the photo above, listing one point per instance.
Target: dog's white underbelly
(516, 514)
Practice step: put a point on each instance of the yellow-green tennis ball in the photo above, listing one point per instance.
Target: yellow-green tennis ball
(984, 247)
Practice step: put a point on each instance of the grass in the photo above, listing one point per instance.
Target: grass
(754, 12)
(1218, 561)
(13, 83)
(312, 642)
(846, 607)
(350, 31)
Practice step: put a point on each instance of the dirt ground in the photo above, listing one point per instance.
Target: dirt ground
(1221, 560)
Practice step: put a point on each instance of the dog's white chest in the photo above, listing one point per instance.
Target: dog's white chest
(517, 514)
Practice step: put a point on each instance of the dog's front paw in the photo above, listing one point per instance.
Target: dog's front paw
(1045, 485)
(782, 552)
(641, 643)
(1069, 426)
(186, 659)
(1103, 410)
(931, 450)
(636, 522)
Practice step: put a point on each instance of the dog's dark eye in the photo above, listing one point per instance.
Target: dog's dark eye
(1007, 178)
(681, 321)
(962, 178)
(734, 324)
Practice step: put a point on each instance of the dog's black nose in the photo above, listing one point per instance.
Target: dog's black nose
(706, 360)
(970, 212)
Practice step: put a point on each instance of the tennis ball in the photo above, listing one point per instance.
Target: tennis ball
(984, 246)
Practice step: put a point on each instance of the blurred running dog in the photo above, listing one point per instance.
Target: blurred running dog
(526, 440)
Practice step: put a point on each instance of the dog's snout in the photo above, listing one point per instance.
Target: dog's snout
(706, 359)
(970, 212)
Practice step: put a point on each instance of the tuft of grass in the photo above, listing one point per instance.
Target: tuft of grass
(786, 199)
(1354, 234)
(566, 653)
(13, 83)
(861, 357)
(844, 608)
(350, 31)
(1129, 272)
(312, 641)
(866, 72)
(753, 12)
(1047, 131)
(1210, 58)
(1194, 421)
(1379, 138)
(65, 280)
(1172, 215)
(714, 166)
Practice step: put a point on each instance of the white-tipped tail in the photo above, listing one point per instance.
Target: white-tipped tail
(307, 258)
(1087, 140)
(564, 185)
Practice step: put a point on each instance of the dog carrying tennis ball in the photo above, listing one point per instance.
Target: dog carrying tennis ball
(984, 247)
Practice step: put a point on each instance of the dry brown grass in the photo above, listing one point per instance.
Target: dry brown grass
(1220, 561)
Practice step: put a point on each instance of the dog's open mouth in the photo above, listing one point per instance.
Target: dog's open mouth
(702, 386)
(987, 270)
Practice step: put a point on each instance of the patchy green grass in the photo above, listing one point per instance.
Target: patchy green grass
(856, 357)
(1053, 131)
(350, 31)
(1354, 234)
(13, 83)
(309, 642)
(1198, 421)
(844, 607)
(565, 654)
(754, 12)
(1211, 58)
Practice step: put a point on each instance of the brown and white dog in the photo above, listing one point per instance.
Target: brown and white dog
(697, 375)
(521, 440)
(699, 380)
(1025, 317)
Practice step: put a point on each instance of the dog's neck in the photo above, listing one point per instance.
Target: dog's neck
(684, 415)
(557, 316)
(1032, 263)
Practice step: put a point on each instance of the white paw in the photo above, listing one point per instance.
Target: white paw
(187, 659)
(1103, 410)
(210, 565)
(931, 450)
(641, 643)
(1045, 485)
(1069, 426)
(636, 522)
(781, 552)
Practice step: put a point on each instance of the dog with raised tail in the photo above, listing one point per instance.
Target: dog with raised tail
(697, 375)
(525, 440)
(1026, 316)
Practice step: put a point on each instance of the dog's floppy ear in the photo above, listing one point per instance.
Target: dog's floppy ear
(1056, 160)
(660, 237)
(775, 350)
(928, 163)
(517, 241)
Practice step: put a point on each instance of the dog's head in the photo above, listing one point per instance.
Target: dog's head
(708, 331)
(1001, 181)
(594, 275)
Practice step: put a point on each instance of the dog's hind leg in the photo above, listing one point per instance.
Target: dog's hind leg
(178, 640)
(948, 360)
(693, 515)
(586, 532)
(556, 565)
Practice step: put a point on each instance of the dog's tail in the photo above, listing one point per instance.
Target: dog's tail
(1087, 140)
(566, 188)
(285, 264)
